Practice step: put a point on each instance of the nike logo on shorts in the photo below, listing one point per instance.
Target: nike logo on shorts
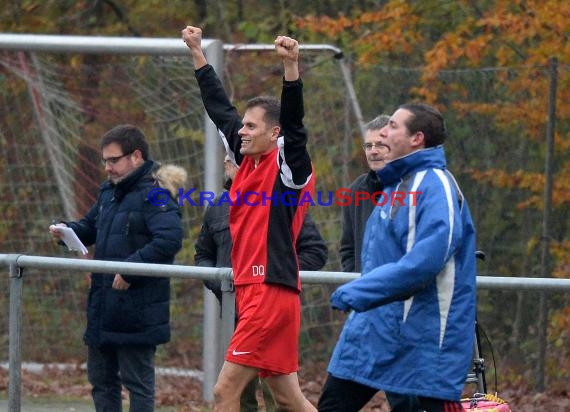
(236, 353)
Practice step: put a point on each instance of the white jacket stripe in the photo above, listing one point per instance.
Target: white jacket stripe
(229, 151)
(286, 173)
(412, 230)
(446, 278)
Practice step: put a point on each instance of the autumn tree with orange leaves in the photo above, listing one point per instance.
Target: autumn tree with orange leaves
(485, 64)
(517, 41)
(505, 35)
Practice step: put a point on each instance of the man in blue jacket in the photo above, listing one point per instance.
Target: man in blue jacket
(355, 216)
(128, 315)
(412, 324)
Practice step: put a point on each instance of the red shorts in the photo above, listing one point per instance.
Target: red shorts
(267, 331)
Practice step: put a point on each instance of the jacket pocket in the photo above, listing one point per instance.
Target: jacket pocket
(122, 311)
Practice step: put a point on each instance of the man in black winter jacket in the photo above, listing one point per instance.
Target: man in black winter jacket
(128, 315)
(213, 249)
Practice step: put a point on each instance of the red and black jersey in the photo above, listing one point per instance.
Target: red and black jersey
(267, 207)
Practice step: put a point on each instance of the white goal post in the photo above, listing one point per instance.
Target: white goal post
(213, 340)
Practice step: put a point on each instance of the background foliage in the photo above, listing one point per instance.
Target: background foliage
(487, 65)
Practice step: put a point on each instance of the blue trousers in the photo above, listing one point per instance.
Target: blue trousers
(110, 367)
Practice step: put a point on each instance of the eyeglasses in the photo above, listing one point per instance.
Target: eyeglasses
(113, 160)
(379, 146)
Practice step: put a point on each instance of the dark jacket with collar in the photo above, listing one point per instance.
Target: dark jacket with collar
(354, 220)
(125, 227)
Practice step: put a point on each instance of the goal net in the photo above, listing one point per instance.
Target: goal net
(55, 107)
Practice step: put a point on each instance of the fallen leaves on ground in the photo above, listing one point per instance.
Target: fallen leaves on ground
(185, 393)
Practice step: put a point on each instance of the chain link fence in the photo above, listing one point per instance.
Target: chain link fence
(54, 108)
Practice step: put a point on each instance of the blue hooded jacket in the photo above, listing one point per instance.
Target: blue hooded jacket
(413, 323)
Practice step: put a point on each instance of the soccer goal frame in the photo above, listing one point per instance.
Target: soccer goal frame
(214, 340)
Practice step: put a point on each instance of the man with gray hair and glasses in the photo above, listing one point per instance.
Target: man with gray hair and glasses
(355, 215)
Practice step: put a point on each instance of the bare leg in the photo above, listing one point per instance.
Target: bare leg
(287, 393)
(231, 382)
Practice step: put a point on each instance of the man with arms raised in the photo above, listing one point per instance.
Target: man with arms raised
(269, 145)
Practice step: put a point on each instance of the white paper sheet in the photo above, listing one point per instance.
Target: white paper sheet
(70, 238)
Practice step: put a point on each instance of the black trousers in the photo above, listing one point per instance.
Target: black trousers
(341, 395)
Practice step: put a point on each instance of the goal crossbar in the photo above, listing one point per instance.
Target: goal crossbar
(124, 45)
(155, 46)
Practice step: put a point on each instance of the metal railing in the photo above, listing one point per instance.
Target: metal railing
(18, 263)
